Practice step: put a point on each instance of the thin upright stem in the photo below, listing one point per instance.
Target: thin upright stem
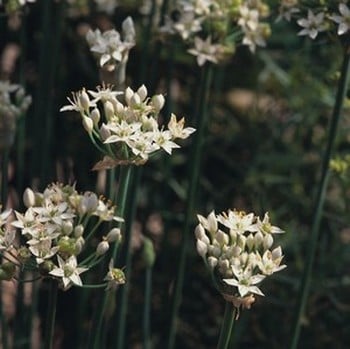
(51, 314)
(320, 199)
(227, 326)
(125, 174)
(195, 161)
(123, 294)
(147, 309)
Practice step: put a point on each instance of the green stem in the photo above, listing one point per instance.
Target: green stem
(320, 199)
(51, 314)
(227, 326)
(195, 161)
(147, 309)
(125, 173)
(123, 294)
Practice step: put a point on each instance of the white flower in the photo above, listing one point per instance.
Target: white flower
(68, 271)
(270, 262)
(343, 20)
(249, 18)
(188, 25)
(43, 250)
(80, 102)
(205, 50)
(312, 25)
(245, 281)
(265, 226)
(238, 221)
(7, 238)
(254, 38)
(177, 128)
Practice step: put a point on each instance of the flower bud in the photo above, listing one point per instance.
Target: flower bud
(102, 248)
(142, 93)
(104, 132)
(109, 110)
(28, 198)
(67, 227)
(84, 100)
(158, 102)
(135, 100)
(268, 241)
(148, 253)
(78, 231)
(95, 116)
(88, 124)
(250, 242)
(114, 235)
(221, 238)
(258, 238)
(128, 94)
(79, 244)
(202, 248)
(212, 261)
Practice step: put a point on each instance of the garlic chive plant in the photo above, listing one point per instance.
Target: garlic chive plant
(239, 251)
(126, 132)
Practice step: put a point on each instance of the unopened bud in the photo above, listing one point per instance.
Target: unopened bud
(148, 253)
(95, 116)
(202, 248)
(158, 102)
(88, 124)
(142, 93)
(29, 198)
(109, 110)
(114, 235)
(67, 227)
(84, 100)
(102, 248)
(78, 231)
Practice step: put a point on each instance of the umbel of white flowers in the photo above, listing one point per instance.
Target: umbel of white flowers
(59, 234)
(126, 132)
(238, 249)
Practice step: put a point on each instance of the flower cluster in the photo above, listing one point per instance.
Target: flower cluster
(13, 104)
(213, 28)
(56, 229)
(238, 249)
(330, 16)
(128, 132)
(111, 48)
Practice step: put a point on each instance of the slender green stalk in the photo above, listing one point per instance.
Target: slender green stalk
(51, 314)
(320, 199)
(123, 294)
(227, 326)
(52, 24)
(147, 309)
(125, 174)
(195, 162)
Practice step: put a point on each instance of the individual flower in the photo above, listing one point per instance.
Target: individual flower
(68, 272)
(287, 10)
(313, 24)
(238, 249)
(204, 50)
(114, 277)
(110, 47)
(343, 20)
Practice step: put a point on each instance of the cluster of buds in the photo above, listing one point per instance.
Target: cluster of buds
(12, 6)
(110, 47)
(238, 249)
(330, 16)
(214, 28)
(13, 104)
(128, 133)
(55, 230)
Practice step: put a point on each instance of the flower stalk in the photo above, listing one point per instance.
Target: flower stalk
(196, 155)
(227, 325)
(51, 314)
(320, 199)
